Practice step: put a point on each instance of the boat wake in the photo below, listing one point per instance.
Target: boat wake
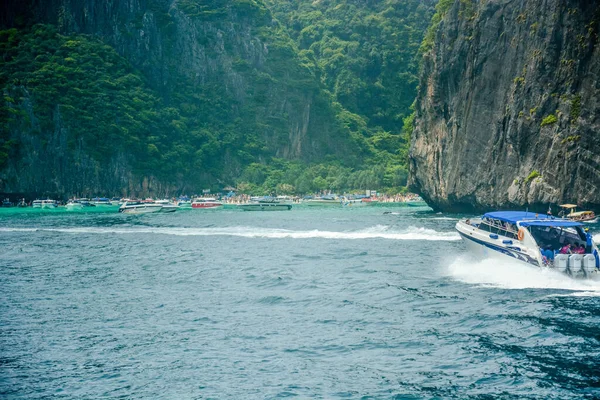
(514, 275)
(376, 232)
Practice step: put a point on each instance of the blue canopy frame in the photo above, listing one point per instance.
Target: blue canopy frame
(531, 219)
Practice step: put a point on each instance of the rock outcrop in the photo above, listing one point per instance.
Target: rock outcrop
(239, 89)
(508, 109)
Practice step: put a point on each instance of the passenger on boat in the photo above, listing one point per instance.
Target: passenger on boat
(566, 249)
(578, 250)
(588, 241)
(548, 253)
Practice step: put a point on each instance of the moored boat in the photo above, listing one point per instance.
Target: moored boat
(47, 204)
(206, 203)
(73, 205)
(139, 208)
(325, 201)
(569, 211)
(536, 239)
(101, 202)
(7, 203)
(265, 205)
(167, 206)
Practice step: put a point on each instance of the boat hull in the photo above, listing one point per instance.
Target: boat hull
(203, 206)
(140, 209)
(265, 207)
(482, 245)
(323, 203)
(482, 249)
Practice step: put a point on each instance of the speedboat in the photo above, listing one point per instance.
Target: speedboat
(206, 202)
(167, 206)
(44, 204)
(78, 204)
(536, 239)
(329, 200)
(569, 211)
(101, 202)
(266, 204)
(74, 205)
(139, 207)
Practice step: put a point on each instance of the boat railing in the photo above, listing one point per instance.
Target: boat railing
(500, 228)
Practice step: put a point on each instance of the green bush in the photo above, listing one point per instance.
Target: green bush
(534, 174)
(549, 120)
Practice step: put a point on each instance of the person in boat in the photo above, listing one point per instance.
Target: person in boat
(548, 253)
(566, 249)
(578, 250)
(588, 241)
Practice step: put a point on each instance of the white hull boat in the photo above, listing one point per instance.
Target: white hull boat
(538, 240)
(140, 208)
(325, 202)
(46, 204)
(74, 206)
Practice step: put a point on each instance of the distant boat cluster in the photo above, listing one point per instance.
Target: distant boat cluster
(242, 202)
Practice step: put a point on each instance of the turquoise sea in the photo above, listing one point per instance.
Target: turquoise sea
(314, 303)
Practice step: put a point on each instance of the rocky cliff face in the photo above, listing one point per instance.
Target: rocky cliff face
(238, 88)
(508, 110)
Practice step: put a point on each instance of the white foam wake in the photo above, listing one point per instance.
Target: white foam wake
(378, 231)
(516, 275)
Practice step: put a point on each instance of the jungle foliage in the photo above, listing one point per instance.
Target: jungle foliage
(356, 60)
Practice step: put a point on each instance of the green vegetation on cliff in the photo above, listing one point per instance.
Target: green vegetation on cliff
(282, 96)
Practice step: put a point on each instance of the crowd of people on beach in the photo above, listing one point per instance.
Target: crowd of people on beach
(233, 198)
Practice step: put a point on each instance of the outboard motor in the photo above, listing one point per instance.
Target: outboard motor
(575, 263)
(561, 262)
(589, 264)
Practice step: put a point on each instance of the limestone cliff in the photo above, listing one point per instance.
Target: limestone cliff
(508, 109)
(225, 83)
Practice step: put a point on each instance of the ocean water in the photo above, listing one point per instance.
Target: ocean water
(311, 303)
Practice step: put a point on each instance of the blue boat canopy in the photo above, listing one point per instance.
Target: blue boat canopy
(558, 223)
(530, 219)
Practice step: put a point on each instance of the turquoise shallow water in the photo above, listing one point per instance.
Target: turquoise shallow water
(311, 303)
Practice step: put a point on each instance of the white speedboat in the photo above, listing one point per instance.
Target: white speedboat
(78, 204)
(265, 205)
(48, 204)
(139, 208)
(101, 202)
(535, 239)
(326, 201)
(167, 206)
(74, 205)
(206, 203)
